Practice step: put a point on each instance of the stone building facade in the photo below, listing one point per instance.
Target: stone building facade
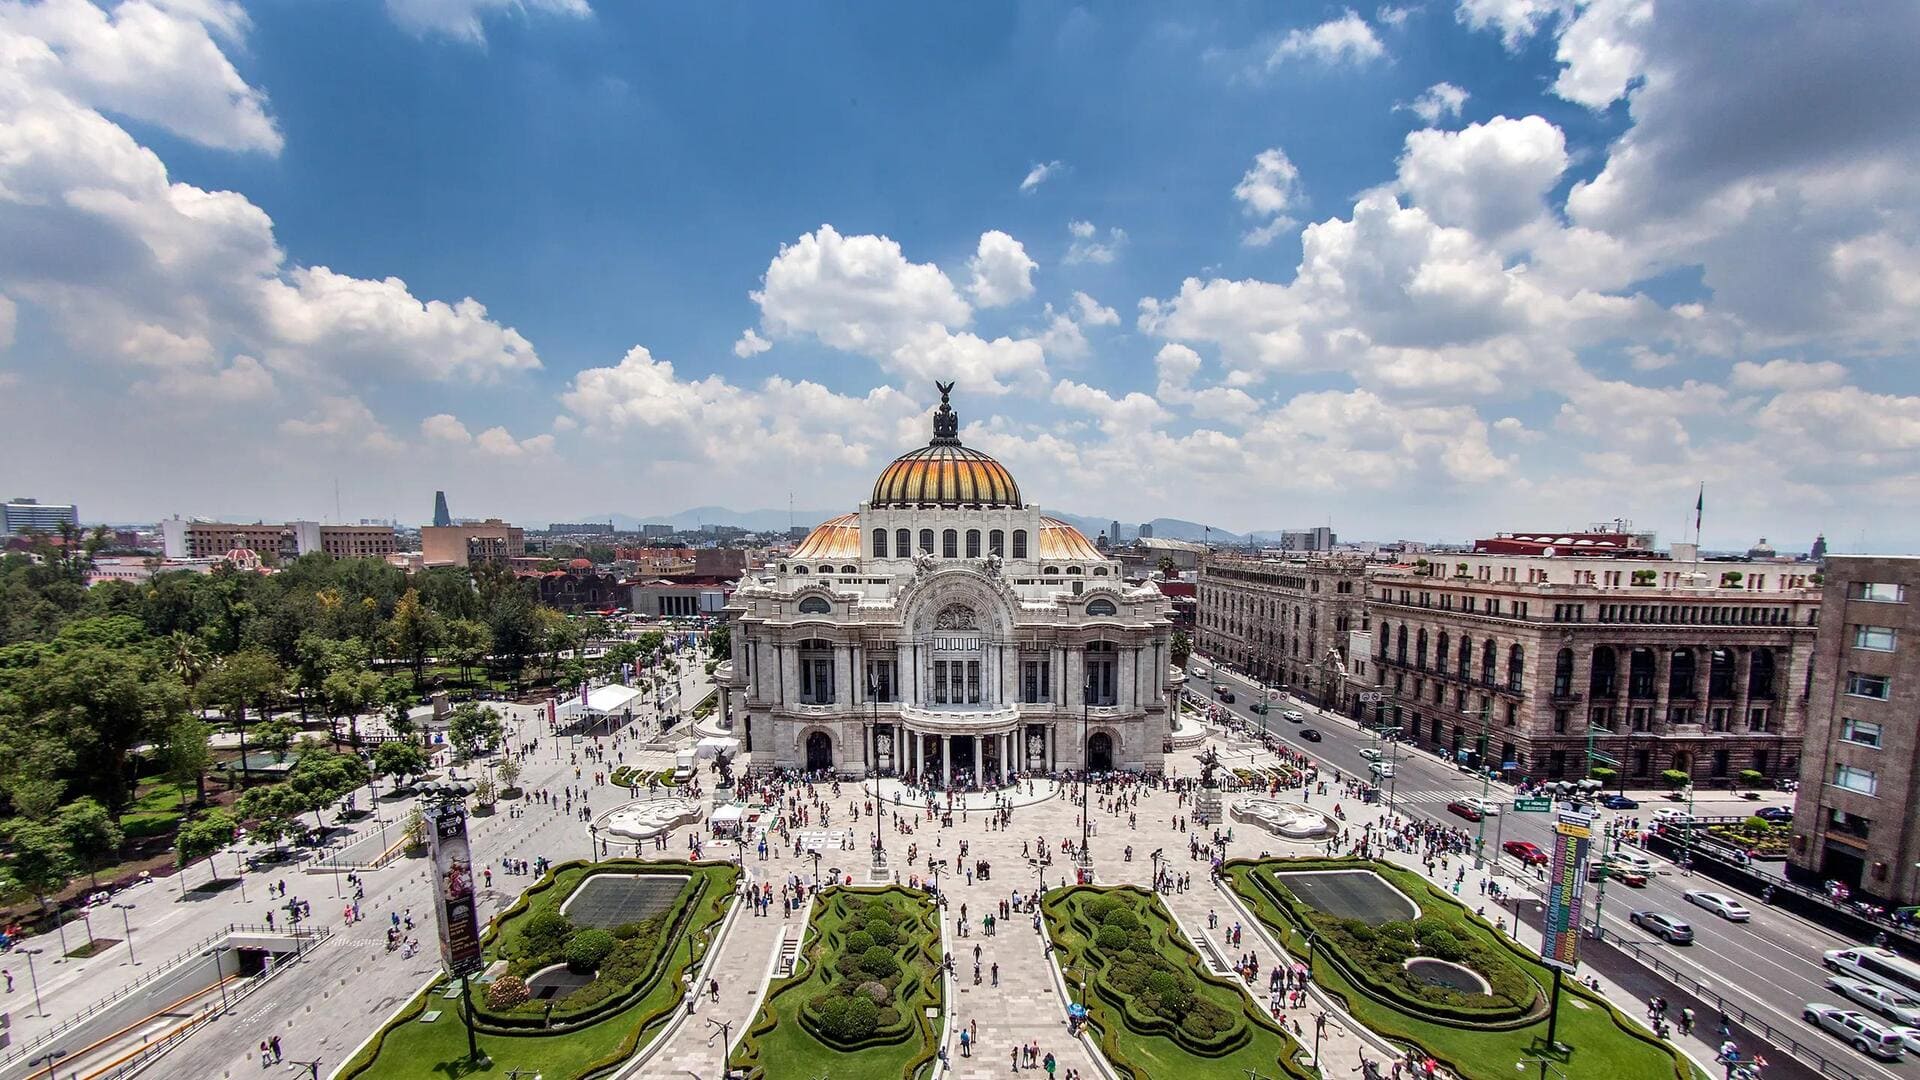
(950, 631)
(1284, 621)
(1854, 820)
(1701, 667)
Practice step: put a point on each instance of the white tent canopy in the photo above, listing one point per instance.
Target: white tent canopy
(611, 698)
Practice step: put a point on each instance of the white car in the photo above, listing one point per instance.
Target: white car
(1631, 859)
(1909, 1038)
(1370, 753)
(1381, 769)
(1487, 807)
(1859, 1030)
(1668, 815)
(1881, 999)
(1720, 904)
(1294, 716)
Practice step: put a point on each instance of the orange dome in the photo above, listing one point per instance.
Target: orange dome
(944, 473)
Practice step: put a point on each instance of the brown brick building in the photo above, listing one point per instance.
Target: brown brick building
(1854, 820)
(1283, 621)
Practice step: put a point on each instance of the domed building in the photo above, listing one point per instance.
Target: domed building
(948, 630)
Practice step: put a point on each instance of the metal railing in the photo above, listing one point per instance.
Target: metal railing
(1707, 993)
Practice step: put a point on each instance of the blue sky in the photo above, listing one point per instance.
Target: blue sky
(1416, 270)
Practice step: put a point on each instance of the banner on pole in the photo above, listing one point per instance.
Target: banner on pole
(1566, 883)
(453, 899)
(553, 711)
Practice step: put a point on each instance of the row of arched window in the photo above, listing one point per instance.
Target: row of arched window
(1683, 673)
(951, 543)
(1451, 656)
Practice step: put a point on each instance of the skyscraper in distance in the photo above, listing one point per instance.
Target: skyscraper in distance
(440, 516)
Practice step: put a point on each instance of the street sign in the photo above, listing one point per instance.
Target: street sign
(1533, 806)
(1603, 758)
(1372, 697)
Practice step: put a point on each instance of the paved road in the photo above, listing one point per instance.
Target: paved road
(1769, 967)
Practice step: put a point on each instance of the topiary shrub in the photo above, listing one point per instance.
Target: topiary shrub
(879, 962)
(508, 991)
(545, 932)
(588, 948)
(1112, 939)
(859, 942)
(627, 931)
(1122, 917)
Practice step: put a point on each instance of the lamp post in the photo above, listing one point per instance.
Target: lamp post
(1086, 762)
(35, 979)
(1486, 779)
(49, 1058)
(220, 974)
(126, 921)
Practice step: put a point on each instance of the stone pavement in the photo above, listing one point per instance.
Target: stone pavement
(742, 966)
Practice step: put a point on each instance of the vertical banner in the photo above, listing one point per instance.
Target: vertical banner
(453, 899)
(1566, 883)
(553, 713)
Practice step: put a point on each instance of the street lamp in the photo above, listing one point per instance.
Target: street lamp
(1486, 778)
(1086, 762)
(127, 921)
(220, 974)
(31, 953)
(49, 1057)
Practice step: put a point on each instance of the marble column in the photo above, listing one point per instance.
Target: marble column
(946, 761)
(1053, 761)
(979, 762)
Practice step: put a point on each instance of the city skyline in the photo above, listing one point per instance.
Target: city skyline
(1413, 271)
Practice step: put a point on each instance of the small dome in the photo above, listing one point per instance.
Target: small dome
(945, 473)
(581, 564)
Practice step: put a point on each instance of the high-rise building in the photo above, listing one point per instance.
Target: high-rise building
(23, 514)
(1146, 531)
(441, 518)
(1319, 538)
(656, 531)
(1113, 534)
(1853, 820)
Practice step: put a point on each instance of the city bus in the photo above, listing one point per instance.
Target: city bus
(1883, 966)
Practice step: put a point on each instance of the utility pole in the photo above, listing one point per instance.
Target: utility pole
(1606, 833)
(1486, 780)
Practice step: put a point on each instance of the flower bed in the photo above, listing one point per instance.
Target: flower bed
(858, 1006)
(1765, 839)
(1156, 1010)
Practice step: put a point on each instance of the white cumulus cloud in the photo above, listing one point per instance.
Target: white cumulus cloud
(1345, 40)
(1438, 102)
(1088, 246)
(750, 344)
(1269, 189)
(1002, 271)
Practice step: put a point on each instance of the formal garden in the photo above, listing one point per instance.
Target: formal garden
(1757, 836)
(1416, 966)
(1156, 1010)
(583, 969)
(866, 1001)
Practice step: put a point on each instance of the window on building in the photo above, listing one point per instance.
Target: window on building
(950, 544)
(1881, 592)
(1103, 663)
(1860, 732)
(1036, 681)
(1560, 718)
(1563, 673)
(816, 673)
(1019, 543)
(1101, 607)
(1440, 652)
(1860, 684)
(926, 541)
(1516, 667)
(973, 543)
(1854, 778)
(1875, 638)
(997, 543)
(879, 543)
(903, 543)
(1852, 824)
(881, 682)
(815, 605)
(1757, 719)
(1487, 660)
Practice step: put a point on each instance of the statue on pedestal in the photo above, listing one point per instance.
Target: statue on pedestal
(1207, 764)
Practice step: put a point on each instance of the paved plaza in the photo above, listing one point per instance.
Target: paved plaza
(336, 996)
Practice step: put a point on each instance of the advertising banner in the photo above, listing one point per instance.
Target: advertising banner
(553, 712)
(1566, 882)
(453, 899)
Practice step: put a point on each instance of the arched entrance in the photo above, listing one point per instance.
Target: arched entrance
(1100, 752)
(819, 752)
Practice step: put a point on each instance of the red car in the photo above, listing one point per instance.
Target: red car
(1526, 851)
(1465, 810)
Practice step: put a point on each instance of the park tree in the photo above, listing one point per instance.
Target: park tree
(472, 727)
(321, 776)
(468, 642)
(274, 810)
(187, 656)
(33, 763)
(413, 633)
(92, 836)
(251, 678)
(509, 771)
(720, 642)
(1181, 649)
(203, 834)
(399, 757)
(41, 864)
(186, 752)
(1169, 570)
(350, 692)
(102, 701)
(276, 737)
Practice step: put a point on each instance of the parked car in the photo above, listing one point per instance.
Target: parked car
(1461, 807)
(1660, 924)
(1596, 871)
(1779, 815)
(1720, 904)
(1526, 851)
(1881, 999)
(1857, 1029)
(1294, 716)
(1620, 802)
(1310, 734)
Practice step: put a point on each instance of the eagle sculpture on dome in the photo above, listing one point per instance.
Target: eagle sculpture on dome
(946, 423)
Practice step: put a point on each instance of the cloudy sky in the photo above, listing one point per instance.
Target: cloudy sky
(1427, 270)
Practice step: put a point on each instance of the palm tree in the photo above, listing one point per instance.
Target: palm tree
(188, 656)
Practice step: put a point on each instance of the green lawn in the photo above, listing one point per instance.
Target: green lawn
(778, 1045)
(409, 1050)
(1251, 1042)
(1603, 1042)
(156, 810)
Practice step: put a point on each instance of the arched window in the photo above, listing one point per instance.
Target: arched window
(1680, 672)
(1720, 673)
(973, 543)
(849, 569)
(950, 544)
(879, 543)
(1075, 570)
(799, 569)
(1420, 649)
(1488, 658)
(826, 569)
(1465, 670)
(1603, 683)
(1386, 635)
(1640, 673)
(1050, 570)
(1516, 667)
(1563, 674)
(783, 568)
(815, 605)
(1099, 571)
(1400, 645)
(1101, 607)
(997, 543)
(903, 543)
(926, 541)
(1440, 653)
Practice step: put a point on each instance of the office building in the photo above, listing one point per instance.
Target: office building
(465, 543)
(22, 515)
